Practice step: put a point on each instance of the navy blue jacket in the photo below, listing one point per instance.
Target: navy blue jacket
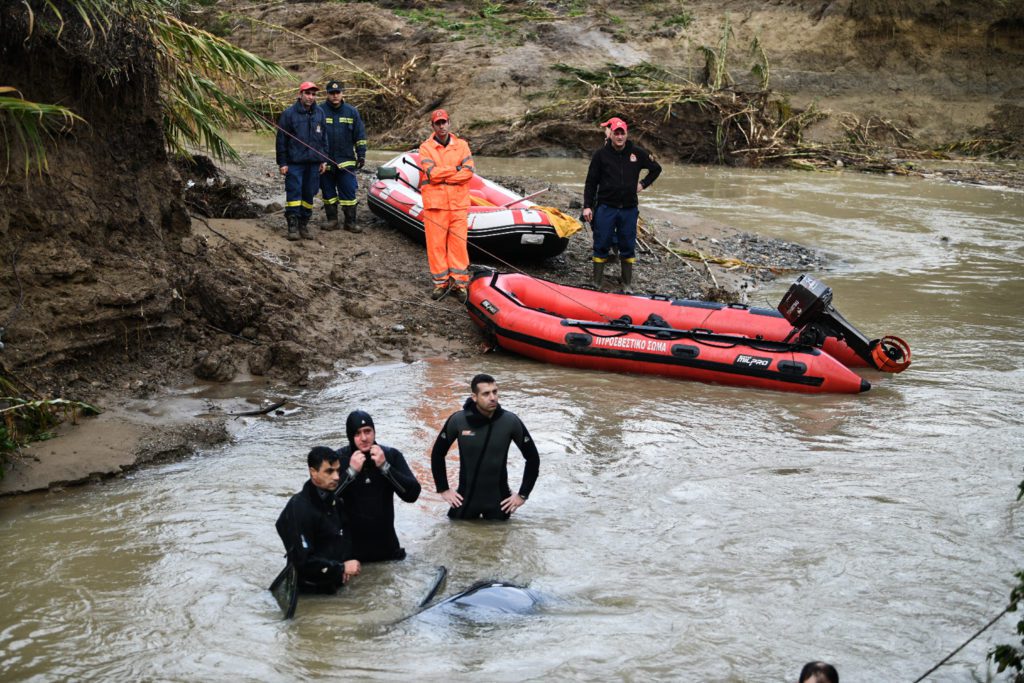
(299, 130)
(346, 135)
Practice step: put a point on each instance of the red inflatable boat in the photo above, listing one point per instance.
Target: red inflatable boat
(808, 347)
(502, 224)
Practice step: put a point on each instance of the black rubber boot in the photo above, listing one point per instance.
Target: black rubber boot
(304, 232)
(350, 219)
(598, 279)
(293, 226)
(627, 276)
(332, 217)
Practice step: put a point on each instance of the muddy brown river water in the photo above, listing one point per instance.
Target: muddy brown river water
(678, 531)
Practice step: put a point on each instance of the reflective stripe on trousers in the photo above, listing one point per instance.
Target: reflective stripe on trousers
(300, 186)
(447, 253)
(339, 187)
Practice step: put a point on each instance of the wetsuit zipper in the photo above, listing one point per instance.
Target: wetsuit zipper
(476, 472)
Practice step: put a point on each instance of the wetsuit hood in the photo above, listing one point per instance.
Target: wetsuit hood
(474, 414)
(357, 419)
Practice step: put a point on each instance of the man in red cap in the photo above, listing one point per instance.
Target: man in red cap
(301, 158)
(446, 166)
(610, 202)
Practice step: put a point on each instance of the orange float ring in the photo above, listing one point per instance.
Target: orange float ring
(891, 354)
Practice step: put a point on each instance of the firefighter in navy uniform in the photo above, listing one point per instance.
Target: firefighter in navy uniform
(301, 157)
(315, 530)
(346, 141)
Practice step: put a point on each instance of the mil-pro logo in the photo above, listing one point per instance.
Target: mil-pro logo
(489, 307)
(752, 361)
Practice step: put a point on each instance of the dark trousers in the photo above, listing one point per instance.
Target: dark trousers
(339, 185)
(613, 226)
(301, 184)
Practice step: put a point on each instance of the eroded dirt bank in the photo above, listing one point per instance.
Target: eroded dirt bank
(888, 75)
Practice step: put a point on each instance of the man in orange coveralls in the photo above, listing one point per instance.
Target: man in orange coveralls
(446, 166)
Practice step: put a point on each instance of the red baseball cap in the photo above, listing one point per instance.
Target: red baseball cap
(439, 115)
(308, 85)
(615, 123)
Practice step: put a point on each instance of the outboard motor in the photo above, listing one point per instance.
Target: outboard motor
(808, 308)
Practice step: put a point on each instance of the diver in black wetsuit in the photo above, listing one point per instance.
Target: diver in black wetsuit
(484, 431)
(315, 530)
(379, 472)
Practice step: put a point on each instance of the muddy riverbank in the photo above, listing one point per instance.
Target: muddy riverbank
(289, 313)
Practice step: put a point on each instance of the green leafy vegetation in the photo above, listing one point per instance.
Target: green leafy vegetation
(207, 84)
(434, 18)
(29, 125)
(716, 70)
(25, 420)
(682, 20)
(510, 21)
(1012, 656)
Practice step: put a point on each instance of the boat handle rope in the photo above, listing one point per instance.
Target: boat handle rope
(699, 336)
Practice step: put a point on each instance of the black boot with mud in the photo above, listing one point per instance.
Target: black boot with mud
(332, 218)
(304, 232)
(627, 276)
(350, 219)
(598, 278)
(439, 292)
(293, 226)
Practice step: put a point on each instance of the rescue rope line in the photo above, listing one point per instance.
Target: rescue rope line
(984, 628)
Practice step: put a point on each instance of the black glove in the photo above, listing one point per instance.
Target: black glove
(360, 162)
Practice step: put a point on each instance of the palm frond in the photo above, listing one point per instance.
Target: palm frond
(29, 124)
(206, 86)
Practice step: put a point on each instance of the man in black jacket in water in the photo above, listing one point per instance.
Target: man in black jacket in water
(378, 473)
(314, 528)
(484, 431)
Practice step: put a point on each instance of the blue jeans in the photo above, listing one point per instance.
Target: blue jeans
(614, 226)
